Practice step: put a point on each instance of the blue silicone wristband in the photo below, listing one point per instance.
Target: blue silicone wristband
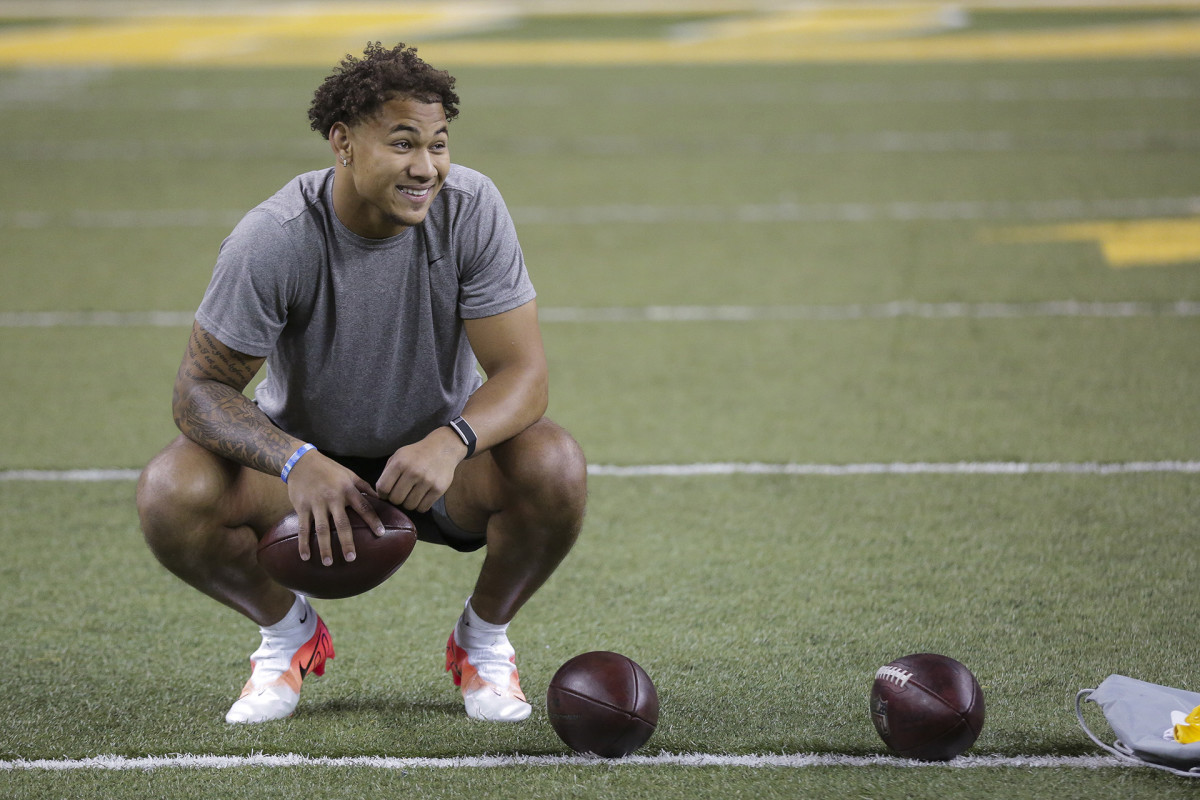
(291, 462)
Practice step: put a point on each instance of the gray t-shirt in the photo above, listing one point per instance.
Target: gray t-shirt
(364, 341)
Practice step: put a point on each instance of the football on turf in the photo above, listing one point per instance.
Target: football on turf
(376, 557)
(602, 703)
(927, 707)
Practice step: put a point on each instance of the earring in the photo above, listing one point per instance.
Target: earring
(345, 162)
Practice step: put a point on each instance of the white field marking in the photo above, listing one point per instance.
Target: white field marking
(745, 468)
(724, 313)
(860, 311)
(860, 212)
(70, 88)
(917, 92)
(784, 211)
(951, 90)
(120, 219)
(897, 468)
(797, 760)
(816, 143)
(70, 475)
(96, 319)
(884, 141)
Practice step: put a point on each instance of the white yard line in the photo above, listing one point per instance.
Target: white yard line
(747, 468)
(798, 760)
(780, 211)
(1067, 208)
(689, 313)
(897, 468)
(95, 319)
(71, 90)
(863, 311)
(70, 475)
(817, 143)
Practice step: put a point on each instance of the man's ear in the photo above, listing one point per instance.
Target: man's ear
(339, 142)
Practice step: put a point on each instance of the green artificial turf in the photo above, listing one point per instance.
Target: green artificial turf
(810, 198)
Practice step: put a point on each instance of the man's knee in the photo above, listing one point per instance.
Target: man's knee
(546, 464)
(179, 490)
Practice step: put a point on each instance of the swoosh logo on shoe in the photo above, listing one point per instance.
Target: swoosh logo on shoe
(318, 651)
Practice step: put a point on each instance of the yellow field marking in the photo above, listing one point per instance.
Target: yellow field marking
(300, 38)
(1178, 39)
(304, 36)
(826, 22)
(1130, 243)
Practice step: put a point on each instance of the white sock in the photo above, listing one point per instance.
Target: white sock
(472, 631)
(281, 640)
(298, 618)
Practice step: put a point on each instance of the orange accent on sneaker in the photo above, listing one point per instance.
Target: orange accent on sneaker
(310, 658)
(459, 665)
(452, 651)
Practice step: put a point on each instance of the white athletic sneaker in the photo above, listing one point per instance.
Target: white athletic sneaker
(488, 677)
(280, 666)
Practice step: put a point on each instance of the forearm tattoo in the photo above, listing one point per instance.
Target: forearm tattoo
(211, 410)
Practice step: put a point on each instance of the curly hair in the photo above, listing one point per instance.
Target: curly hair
(358, 87)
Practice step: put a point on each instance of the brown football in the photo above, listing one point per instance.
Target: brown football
(376, 557)
(927, 706)
(602, 703)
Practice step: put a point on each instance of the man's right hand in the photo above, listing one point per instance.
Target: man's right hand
(211, 409)
(321, 490)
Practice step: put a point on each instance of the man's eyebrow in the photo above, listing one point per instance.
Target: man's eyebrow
(402, 127)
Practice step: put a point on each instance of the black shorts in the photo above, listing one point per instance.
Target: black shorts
(434, 526)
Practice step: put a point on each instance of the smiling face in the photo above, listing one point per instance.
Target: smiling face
(390, 167)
